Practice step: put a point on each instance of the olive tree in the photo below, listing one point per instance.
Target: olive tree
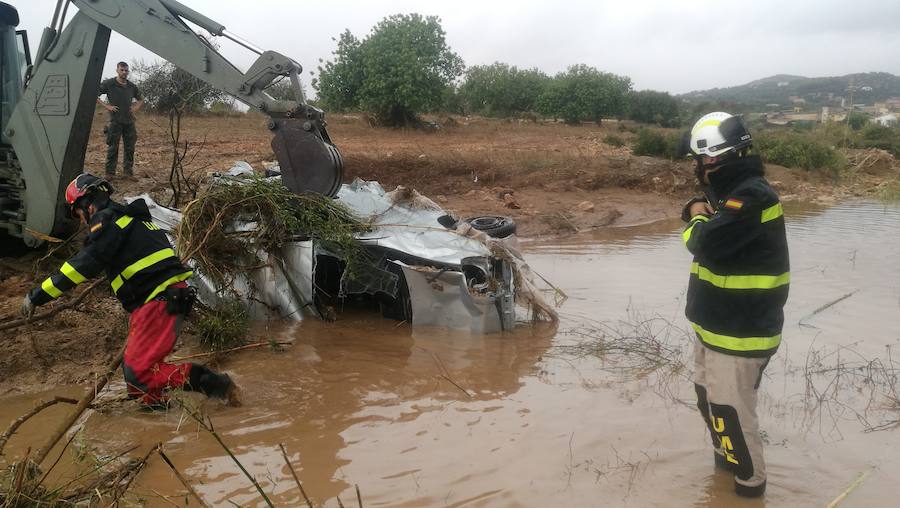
(400, 70)
(648, 106)
(585, 93)
(501, 90)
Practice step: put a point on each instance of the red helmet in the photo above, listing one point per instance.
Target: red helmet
(83, 185)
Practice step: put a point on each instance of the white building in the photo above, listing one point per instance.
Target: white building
(886, 120)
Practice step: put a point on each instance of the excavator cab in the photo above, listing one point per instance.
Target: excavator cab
(14, 60)
(47, 106)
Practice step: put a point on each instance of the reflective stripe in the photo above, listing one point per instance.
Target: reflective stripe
(686, 235)
(124, 221)
(70, 272)
(172, 280)
(737, 343)
(139, 265)
(740, 281)
(772, 213)
(50, 289)
(707, 123)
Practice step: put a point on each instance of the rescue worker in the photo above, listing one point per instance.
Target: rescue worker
(737, 290)
(125, 100)
(149, 281)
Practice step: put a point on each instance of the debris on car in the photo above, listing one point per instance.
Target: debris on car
(287, 256)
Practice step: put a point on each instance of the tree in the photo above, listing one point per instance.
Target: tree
(398, 71)
(166, 87)
(501, 90)
(648, 106)
(857, 120)
(170, 90)
(584, 93)
(340, 81)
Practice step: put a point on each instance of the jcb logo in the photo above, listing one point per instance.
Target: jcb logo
(727, 446)
(151, 226)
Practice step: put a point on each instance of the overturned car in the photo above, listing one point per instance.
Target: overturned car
(421, 265)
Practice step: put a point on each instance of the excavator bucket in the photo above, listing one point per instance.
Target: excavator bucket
(309, 160)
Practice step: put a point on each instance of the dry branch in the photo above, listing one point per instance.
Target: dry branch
(824, 307)
(82, 405)
(52, 312)
(181, 479)
(294, 474)
(132, 474)
(239, 348)
(837, 501)
(35, 410)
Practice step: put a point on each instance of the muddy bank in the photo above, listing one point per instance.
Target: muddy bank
(553, 179)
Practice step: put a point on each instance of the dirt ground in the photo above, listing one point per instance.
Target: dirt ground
(552, 179)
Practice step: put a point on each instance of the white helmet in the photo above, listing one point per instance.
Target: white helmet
(718, 133)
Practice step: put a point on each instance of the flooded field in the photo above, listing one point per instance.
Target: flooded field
(534, 418)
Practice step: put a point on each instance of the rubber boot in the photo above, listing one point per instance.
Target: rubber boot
(722, 463)
(747, 491)
(212, 384)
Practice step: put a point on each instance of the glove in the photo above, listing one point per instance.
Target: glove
(27, 307)
(685, 212)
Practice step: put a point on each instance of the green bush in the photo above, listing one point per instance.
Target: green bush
(223, 327)
(798, 150)
(613, 140)
(655, 144)
(857, 121)
(885, 138)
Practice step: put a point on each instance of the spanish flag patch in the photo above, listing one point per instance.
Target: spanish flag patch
(96, 226)
(734, 204)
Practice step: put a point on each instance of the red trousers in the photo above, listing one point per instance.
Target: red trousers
(151, 336)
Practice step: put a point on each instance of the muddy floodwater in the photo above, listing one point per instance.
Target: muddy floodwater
(535, 417)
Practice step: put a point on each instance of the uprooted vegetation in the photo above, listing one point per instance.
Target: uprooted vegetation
(840, 383)
(650, 349)
(224, 228)
(222, 327)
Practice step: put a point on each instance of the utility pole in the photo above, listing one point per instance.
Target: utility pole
(850, 88)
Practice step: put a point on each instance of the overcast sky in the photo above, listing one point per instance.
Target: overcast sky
(674, 46)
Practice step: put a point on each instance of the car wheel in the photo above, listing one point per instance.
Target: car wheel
(495, 226)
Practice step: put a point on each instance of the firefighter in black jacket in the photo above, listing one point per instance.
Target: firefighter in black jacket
(147, 278)
(737, 290)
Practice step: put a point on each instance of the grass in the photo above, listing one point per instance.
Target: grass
(890, 192)
(224, 326)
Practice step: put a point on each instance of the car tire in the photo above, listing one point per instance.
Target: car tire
(495, 226)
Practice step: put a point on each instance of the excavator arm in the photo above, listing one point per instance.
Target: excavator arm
(50, 126)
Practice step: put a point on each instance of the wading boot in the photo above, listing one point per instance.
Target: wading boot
(748, 491)
(722, 463)
(213, 384)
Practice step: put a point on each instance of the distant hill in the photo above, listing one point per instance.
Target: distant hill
(786, 90)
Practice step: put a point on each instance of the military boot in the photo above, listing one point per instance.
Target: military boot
(213, 384)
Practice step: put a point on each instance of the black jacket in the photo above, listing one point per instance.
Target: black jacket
(136, 254)
(741, 272)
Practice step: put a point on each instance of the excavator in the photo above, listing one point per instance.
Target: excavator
(47, 104)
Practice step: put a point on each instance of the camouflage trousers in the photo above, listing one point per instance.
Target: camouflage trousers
(128, 134)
